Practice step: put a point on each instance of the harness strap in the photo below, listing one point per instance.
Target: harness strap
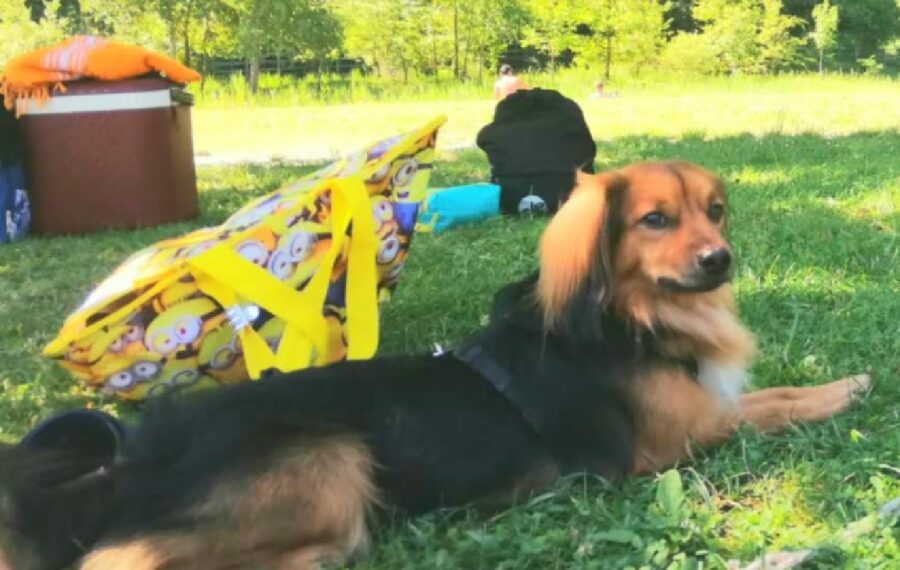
(473, 355)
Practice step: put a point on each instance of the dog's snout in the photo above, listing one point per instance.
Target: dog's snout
(715, 261)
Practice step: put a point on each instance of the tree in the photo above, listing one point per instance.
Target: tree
(678, 14)
(178, 16)
(779, 47)
(866, 26)
(387, 33)
(824, 35)
(730, 27)
(20, 33)
(553, 26)
(131, 21)
(738, 36)
(630, 32)
(290, 28)
(485, 28)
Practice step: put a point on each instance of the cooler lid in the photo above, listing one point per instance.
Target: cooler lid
(91, 96)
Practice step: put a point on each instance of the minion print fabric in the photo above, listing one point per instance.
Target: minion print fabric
(291, 280)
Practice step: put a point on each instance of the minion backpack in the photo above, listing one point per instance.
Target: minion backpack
(291, 280)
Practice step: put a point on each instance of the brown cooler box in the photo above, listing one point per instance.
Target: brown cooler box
(109, 155)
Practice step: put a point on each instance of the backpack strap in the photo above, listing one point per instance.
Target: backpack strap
(227, 277)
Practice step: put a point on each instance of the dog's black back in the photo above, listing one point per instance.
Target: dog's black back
(439, 431)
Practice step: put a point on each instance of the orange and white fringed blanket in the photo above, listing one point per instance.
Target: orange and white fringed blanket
(33, 74)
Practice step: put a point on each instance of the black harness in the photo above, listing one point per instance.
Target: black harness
(570, 408)
(498, 376)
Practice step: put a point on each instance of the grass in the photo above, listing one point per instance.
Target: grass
(671, 107)
(815, 223)
(354, 88)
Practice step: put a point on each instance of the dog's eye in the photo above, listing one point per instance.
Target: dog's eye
(715, 212)
(655, 220)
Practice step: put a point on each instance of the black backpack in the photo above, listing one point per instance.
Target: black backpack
(536, 143)
(10, 145)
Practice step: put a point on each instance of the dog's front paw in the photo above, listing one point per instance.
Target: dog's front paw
(854, 386)
(838, 395)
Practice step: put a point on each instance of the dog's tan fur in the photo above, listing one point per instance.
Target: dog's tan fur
(312, 506)
(677, 412)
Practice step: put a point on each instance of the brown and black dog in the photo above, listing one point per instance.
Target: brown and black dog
(619, 356)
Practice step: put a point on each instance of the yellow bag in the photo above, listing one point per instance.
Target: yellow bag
(291, 280)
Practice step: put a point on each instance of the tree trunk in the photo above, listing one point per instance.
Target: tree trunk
(456, 39)
(821, 62)
(608, 55)
(253, 80)
(480, 65)
(319, 77)
(187, 42)
(435, 61)
(204, 56)
(204, 71)
(464, 70)
(173, 39)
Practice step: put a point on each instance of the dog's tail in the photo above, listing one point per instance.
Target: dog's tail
(53, 506)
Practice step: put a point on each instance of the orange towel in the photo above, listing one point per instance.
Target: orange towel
(31, 75)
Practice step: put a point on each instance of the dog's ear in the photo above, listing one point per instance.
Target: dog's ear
(577, 248)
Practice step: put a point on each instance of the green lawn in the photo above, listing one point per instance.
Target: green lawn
(831, 105)
(814, 226)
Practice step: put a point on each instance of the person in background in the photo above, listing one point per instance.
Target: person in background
(599, 93)
(508, 83)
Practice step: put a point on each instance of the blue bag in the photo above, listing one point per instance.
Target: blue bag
(449, 207)
(15, 216)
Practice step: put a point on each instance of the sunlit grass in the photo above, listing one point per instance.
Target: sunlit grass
(671, 107)
(815, 229)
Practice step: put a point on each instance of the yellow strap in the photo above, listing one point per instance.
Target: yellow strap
(305, 327)
(255, 284)
(317, 288)
(427, 228)
(362, 280)
(258, 357)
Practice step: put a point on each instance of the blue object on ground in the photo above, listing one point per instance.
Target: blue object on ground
(449, 207)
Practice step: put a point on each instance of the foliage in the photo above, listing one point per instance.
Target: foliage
(21, 34)
(387, 33)
(779, 46)
(468, 39)
(691, 52)
(290, 28)
(741, 36)
(824, 35)
(865, 26)
(625, 32)
(553, 26)
(485, 29)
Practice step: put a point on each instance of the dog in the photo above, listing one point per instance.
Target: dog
(618, 357)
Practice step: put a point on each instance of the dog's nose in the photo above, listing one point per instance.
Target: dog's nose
(715, 261)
